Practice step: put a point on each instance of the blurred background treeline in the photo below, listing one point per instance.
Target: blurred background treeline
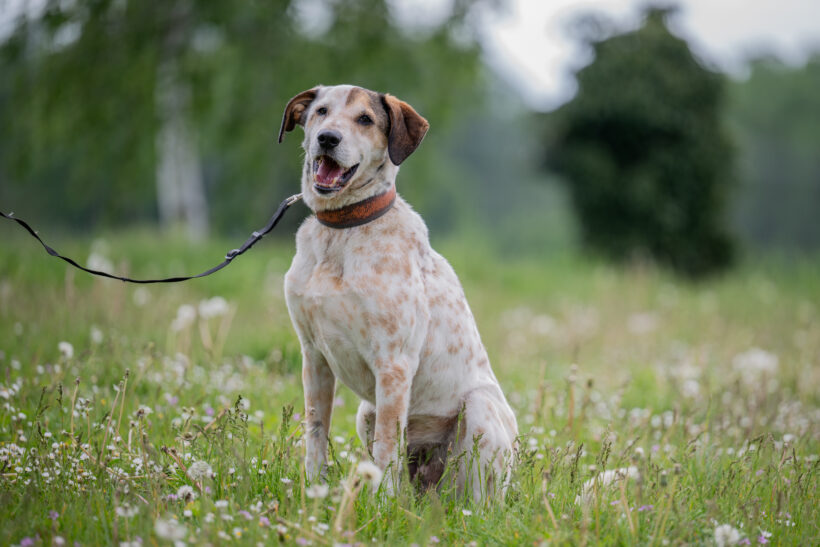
(119, 113)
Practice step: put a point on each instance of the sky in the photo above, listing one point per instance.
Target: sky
(531, 46)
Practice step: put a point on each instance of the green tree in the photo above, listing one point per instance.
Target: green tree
(644, 153)
(776, 117)
(93, 91)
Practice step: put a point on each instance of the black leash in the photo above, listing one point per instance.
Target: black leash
(250, 242)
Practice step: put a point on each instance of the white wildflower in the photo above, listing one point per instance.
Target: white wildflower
(221, 504)
(604, 480)
(370, 472)
(213, 307)
(143, 411)
(96, 335)
(98, 261)
(200, 470)
(466, 512)
(317, 491)
(186, 493)
(126, 510)
(170, 529)
(754, 363)
(66, 349)
(141, 296)
(726, 534)
(690, 389)
(186, 314)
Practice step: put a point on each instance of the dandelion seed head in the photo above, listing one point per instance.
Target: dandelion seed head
(200, 470)
(317, 491)
(726, 534)
(213, 307)
(170, 529)
(369, 472)
(66, 349)
(186, 493)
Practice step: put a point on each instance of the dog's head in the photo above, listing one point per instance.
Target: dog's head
(355, 139)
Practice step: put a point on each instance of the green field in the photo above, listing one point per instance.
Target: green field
(708, 394)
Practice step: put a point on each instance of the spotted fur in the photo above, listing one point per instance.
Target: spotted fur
(377, 308)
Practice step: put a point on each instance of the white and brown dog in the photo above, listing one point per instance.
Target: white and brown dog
(377, 308)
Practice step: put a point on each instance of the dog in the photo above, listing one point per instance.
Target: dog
(375, 307)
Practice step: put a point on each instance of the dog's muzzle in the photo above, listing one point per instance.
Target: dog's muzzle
(329, 176)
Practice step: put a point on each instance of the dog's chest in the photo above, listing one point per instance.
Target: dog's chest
(321, 304)
(355, 305)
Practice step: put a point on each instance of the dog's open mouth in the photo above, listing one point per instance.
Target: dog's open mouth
(329, 176)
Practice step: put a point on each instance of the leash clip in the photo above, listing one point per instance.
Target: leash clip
(232, 254)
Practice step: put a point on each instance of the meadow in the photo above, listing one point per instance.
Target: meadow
(652, 411)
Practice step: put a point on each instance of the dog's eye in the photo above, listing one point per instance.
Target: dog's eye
(321, 111)
(364, 119)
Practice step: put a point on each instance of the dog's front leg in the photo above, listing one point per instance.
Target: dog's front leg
(319, 385)
(393, 384)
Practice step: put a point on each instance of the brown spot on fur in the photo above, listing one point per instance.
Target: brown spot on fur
(390, 323)
(393, 377)
(355, 93)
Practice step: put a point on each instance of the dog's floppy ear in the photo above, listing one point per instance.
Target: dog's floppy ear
(295, 110)
(407, 128)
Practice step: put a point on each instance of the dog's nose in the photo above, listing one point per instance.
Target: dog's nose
(329, 139)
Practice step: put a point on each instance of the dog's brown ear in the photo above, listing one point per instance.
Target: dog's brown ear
(407, 128)
(295, 110)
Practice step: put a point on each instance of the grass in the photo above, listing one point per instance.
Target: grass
(706, 397)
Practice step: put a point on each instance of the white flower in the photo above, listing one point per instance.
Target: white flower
(317, 491)
(466, 512)
(200, 470)
(142, 412)
(754, 363)
(604, 480)
(98, 261)
(126, 510)
(96, 335)
(186, 493)
(141, 296)
(66, 349)
(221, 504)
(213, 307)
(690, 389)
(186, 314)
(170, 529)
(370, 472)
(726, 534)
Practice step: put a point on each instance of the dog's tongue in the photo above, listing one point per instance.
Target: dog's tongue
(328, 171)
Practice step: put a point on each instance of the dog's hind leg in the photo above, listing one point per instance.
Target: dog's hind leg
(484, 446)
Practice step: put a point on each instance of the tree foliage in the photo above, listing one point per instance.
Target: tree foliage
(776, 117)
(644, 153)
(78, 114)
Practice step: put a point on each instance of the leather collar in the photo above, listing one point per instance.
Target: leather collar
(360, 212)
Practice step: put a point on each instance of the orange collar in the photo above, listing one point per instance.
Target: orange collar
(359, 213)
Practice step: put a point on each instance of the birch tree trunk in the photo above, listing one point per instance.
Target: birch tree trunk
(180, 188)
